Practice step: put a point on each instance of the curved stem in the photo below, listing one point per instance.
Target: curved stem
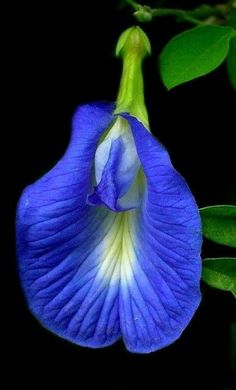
(182, 15)
(134, 5)
(197, 16)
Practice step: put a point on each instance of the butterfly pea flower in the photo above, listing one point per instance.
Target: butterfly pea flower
(108, 241)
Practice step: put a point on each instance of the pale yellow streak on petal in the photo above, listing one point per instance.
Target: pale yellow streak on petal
(118, 256)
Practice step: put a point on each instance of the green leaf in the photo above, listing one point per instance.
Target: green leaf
(220, 273)
(219, 224)
(232, 19)
(194, 53)
(231, 58)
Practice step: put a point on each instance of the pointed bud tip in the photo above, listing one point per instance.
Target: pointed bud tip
(133, 39)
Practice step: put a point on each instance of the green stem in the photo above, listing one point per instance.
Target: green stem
(182, 15)
(132, 47)
(196, 16)
(133, 4)
(131, 92)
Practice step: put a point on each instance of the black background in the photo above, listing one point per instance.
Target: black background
(58, 57)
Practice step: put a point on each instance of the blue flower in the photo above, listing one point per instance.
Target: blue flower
(109, 240)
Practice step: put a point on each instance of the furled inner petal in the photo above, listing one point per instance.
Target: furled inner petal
(117, 168)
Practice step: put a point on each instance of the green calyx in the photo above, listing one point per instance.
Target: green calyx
(133, 40)
(132, 47)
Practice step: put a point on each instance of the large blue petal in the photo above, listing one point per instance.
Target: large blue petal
(60, 243)
(162, 292)
(90, 274)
